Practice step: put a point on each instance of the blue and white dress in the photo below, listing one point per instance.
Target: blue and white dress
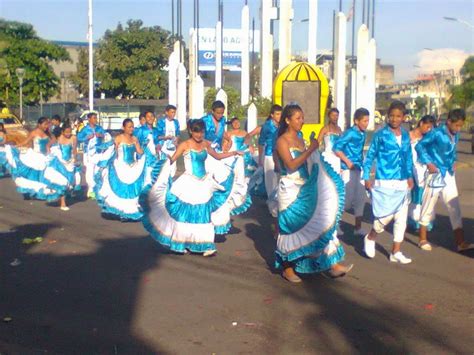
(238, 144)
(3, 158)
(61, 173)
(27, 169)
(310, 204)
(414, 208)
(181, 214)
(119, 183)
(328, 154)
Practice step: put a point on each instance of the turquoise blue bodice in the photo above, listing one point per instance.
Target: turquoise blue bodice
(302, 171)
(195, 163)
(66, 151)
(40, 144)
(238, 143)
(127, 153)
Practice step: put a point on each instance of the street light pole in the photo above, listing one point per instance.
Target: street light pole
(20, 73)
(91, 61)
(454, 19)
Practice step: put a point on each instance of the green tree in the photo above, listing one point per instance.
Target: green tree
(462, 95)
(131, 61)
(20, 47)
(80, 78)
(421, 106)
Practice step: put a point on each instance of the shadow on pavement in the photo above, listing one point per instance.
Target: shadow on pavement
(73, 303)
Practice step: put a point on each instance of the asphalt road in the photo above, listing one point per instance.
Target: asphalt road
(98, 286)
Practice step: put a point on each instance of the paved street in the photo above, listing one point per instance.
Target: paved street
(101, 286)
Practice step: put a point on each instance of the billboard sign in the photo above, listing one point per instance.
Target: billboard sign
(231, 51)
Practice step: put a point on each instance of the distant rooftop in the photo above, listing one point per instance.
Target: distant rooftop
(73, 43)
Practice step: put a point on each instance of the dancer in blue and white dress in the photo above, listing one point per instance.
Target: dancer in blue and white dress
(425, 125)
(28, 161)
(119, 184)
(310, 205)
(266, 142)
(238, 137)
(92, 136)
(179, 214)
(3, 158)
(62, 174)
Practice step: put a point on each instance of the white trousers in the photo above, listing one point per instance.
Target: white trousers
(90, 171)
(450, 197)
(355, 191)
(399, 224)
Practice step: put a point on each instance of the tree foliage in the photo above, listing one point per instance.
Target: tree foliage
(462, 95)
(20, 47)
(131, 61)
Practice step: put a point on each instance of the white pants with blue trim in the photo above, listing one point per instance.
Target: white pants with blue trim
(449, 195)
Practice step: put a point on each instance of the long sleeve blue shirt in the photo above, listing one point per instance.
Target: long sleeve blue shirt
(83, 135)
(213, 134)
(439, 148)
(161, 129)
(351, 143)
(268, 136)
(392, 161)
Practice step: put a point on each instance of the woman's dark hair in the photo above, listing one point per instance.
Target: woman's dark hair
(333, 110)
(142, 115)
(56, 118)
(125, 121)
(196, 125)
(229, 122)
(64, 127)
(427, 119)
(288, 112)
(217, 104)
(41, 120)
(397, 105)
(2, 128)
(361, 112)
(457, 115)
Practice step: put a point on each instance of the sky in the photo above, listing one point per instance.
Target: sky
(403, 28)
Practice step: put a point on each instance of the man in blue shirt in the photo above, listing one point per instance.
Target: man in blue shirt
(215, 122)
(91, 136)
(167, 134)
(437, 149)
(390, 150)
(349, 148)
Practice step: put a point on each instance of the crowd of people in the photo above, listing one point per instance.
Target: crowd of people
(307, 184)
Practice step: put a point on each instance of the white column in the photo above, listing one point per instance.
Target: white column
(266, 48)
(312, 30)
(251, 117)
(181, 95)
(245, 48)
(218, 82)
(371, 88)
(198, 98)
(192, 70)
(362, 62)
(91, 60)
(173, 62)
(353, 96)
(222, 96)
(284, 33)
(340, 67)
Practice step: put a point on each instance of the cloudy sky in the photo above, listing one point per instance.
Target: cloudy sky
(403, 28)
